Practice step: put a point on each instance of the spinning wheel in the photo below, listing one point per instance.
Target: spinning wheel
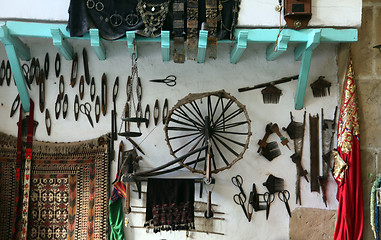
(214, 118)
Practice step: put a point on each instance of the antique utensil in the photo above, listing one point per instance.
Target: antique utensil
(46, 66)
(97, 109)
(104, 94)
(274, 184)
(240, 199)
(284, 196)
(2, 72)
(57, 107)
(86, 66)
(57, 65)
(48, 122)
(147, 115)
(74, 70)
(170, 80)
(272, 83)
(165, 111)
(15, 105)
(156, 112)
(8, 73)
(320, 87)
(238, 181)
(92, 89)
(81, 87)
(86, 109)
(268, 198)
(41, 91)
(65, 106)
(76, 107)
(61, 87)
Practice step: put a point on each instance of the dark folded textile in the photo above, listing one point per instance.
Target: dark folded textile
(170, 204)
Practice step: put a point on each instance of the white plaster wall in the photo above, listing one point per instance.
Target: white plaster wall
(192, 77)
(253, 13)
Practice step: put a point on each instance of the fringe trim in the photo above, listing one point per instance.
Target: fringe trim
(175, 227)
(100, 143)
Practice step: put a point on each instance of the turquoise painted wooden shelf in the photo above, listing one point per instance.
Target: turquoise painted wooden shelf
(307, 40)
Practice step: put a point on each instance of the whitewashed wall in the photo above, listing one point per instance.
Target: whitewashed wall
(192, 77)
(254, 13)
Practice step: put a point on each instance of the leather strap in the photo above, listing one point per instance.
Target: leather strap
(192, 29)
(28, 160)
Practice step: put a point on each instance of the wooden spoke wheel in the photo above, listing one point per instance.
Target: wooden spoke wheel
(214, 115)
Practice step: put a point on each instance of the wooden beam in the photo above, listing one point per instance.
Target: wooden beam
(97, 44)
(62, 44)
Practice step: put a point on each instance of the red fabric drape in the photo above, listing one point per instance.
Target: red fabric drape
(349, 224)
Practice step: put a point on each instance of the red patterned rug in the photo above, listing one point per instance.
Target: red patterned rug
(69, 190)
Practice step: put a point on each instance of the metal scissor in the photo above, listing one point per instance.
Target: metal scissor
(238, 181)
(170, 80)
(240, 199)
(284, 196)
(268, 198)
(86, 109)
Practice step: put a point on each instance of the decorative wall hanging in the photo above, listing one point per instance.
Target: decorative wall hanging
(112, 18)
(153, 14)
(71, 187)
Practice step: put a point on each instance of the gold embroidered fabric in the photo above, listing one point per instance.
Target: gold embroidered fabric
(348, 126)
(339, 166)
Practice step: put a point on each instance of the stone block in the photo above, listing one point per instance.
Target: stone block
(362, 51)
(312, 224)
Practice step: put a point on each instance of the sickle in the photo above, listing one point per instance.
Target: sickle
(32, 68)
(37, 71)
(2, 73)
(8, 73)
(86, 66)
(104, 94)
(74, 70)
(147, 115)
(61, 87)
(156, 112)
(81, 87)
(15, 105)
(97, 109)
(76, 107)
(48, 121)
(46, 66)
(42, 91)
(65, 106)
(57, 108)
(92, 89)
(165, 111)
(57, 65)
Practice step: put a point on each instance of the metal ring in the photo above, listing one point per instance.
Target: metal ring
(99, 6)
(90, 4)
(116, 20)
(132, 19)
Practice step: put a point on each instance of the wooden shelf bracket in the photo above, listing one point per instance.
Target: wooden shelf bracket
(97, 44)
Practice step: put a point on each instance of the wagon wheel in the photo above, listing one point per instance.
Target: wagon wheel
(228, 129)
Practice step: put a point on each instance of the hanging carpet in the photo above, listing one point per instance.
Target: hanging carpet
(68, 194)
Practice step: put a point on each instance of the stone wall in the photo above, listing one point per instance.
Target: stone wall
(367, 66)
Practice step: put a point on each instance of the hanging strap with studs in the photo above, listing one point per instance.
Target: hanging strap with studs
(28, 160)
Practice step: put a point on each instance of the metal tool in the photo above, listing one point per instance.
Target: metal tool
(156, 112)
(170, 80)
(15, 105)
(240, 199)
(92, 89)
(57, 64)
(42, 91)
(104, 94)
(115, 91)
(97, 109)
(284, 196)
(86, 109)
(57, 107)
(86, 66)
(165, 111)
(61, 87)
(8, 73)
(25, 71)
(74, 70)
(65, 106)
(262, 85)
(238, 181)
(268, 198)
(81, 87)
(76, 107)
(147, 115)
(48, 122)
(46, 66)
(314, 153)
(2, 72)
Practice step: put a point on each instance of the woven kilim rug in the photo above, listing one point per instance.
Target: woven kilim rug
(69, 190)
